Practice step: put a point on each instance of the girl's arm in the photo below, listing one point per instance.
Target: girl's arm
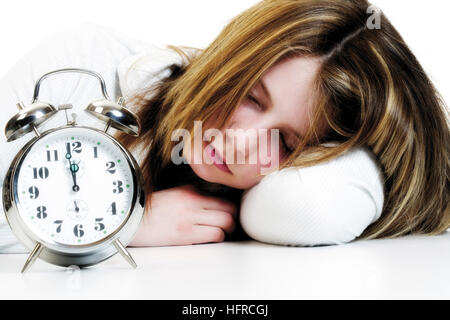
(181, 216)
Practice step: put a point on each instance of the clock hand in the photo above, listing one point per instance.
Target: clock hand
(73, 169)
(76, 207)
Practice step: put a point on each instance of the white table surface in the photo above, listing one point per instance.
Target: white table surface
(413, 267)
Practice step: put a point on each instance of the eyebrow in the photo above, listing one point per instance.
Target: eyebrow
(267, 94)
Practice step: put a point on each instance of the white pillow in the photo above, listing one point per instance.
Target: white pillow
(329, 203)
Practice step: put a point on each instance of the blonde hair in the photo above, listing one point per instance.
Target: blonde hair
(370, 91)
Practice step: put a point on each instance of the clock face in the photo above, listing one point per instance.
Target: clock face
(74, 187)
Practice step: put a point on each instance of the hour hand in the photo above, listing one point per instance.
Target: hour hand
(73, 169)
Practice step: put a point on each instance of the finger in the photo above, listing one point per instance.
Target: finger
(205, 234)
(223, 220)
(220, 204)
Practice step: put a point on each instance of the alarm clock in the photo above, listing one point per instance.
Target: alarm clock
(73, 195)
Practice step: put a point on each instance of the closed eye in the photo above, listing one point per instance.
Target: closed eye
(255, 101)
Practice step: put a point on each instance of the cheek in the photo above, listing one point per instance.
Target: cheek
(245, 178)
(246, 118)
(248, 175)
(244, 115)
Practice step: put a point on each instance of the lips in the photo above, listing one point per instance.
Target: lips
(217, 158)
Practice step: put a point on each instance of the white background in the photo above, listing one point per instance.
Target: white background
(404, 268)
(24, 23)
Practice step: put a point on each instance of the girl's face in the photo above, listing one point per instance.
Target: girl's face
(280, 100)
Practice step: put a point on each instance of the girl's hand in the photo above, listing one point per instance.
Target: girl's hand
(182, 216)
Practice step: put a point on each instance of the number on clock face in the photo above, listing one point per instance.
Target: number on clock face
(51, 206)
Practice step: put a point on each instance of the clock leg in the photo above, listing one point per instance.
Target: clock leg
(32, 257)
(119, 246)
